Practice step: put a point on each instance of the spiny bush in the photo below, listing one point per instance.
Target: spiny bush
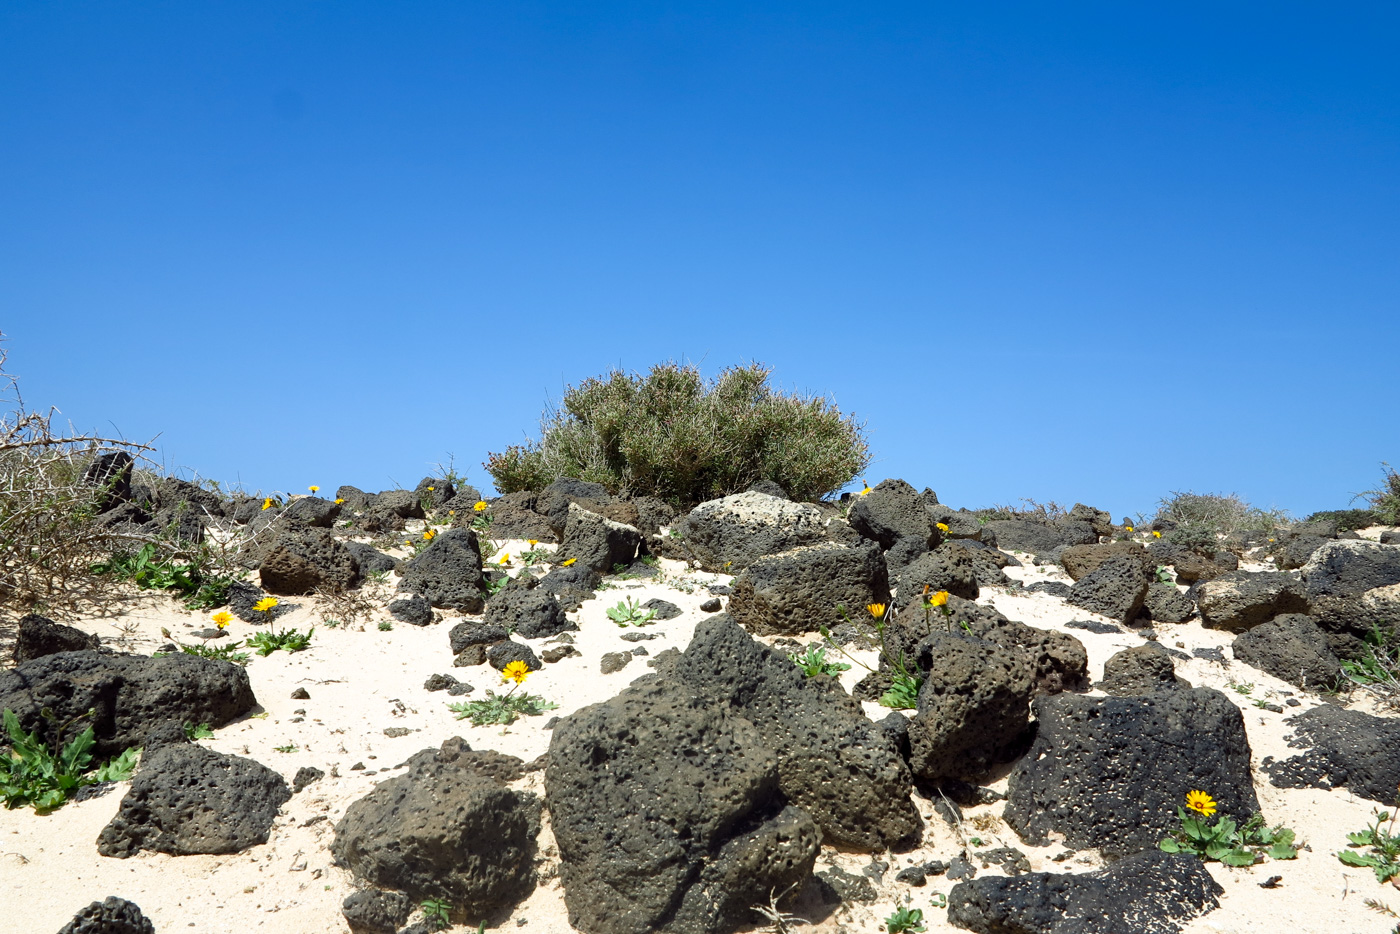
(1217, 514)
(671, 434)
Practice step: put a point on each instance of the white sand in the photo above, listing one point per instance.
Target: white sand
(362, 680)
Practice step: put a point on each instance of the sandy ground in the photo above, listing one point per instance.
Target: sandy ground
(363, 680)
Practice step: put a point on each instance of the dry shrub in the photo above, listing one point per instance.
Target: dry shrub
(671, 434)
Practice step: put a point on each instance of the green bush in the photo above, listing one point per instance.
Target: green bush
(1218, 514)
(1385, 502)
(672, 435)
(1348, 520)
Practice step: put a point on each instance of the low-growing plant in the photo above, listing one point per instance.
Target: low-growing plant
(437, 913)
(226, 652)
(290, 747)
(1382, 844)
(673, 435)
(1225, 841)
(813, 662)
(197, 731)
(903, 692)
(288, 640)
(629, 613)
(506, 708)
(44, 775)
(779, 921)
(385, 625)
(905, 918)
(1378, 670)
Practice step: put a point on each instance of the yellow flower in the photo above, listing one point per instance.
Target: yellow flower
(864, 491)
(452, 512)
(480, 505)
(942, 527)
(267, 503)
(339, 500)
(877, 610)
(516, 671)
(431, 489)
(568, 561)
(1128, 527)
(1200, 802)
(429, 535)
(1156, 534)
(505, 559)
(265, 604)
(533, 542)
(222, 619)
(314, 488)
(938, 599)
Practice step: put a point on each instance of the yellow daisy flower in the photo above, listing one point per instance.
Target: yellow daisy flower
(480, 505)
(266, 604)
(1200, 802)
(314, 488)
(429, 535)
(938, 599)
(942, 527)
(877, 610)
(222, 619)
(568, 562)
(267, 503)
(516, 671)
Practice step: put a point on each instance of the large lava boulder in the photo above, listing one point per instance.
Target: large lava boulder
(1081, 560)
(800, 590)
(449, 828)
(1291, 647)
(128, 694)
(302, 561)
(1116, 588)
(529, 611)
(668, 816)
(973, 707)
(1342, 747)
(833, 762)
(448, 572)
(729, 534)
(1110, 772)
(1038, 538)
(187, 800)
(596, 541)
(1353, 587)
(1142, 669)
(1241, 600)
(1148, 893)
(952, 566)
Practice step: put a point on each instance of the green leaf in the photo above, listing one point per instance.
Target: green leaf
(1218, 850)
(1352, 858)
(1360, 839)
(1237, 857)
(1169, 845)
(1283, 851)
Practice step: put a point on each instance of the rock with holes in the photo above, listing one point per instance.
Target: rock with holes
(833, 762)
(448, 572)
(1241, 600)
(595, 541)
(448, 828)
(528, 611)
(112, 915)
(1081, 560)
(1148, 893)
(128, 694)
(1341, 748)
(1037, 538)
(187, 800)
(799, 590)
(1143, 669)
(40, 636)
(728, 535)
(1110, 772)
(668, 816)
(1291, 647)
(951, 567)
(1165, 604)
(1116, 589)
(302, 561)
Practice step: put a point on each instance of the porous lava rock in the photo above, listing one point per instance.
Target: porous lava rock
(1293, 648)
(729, 534)
(1110, 772)
(40, 636)
(448, 572)
(799, 590)
(1341, 748)
(1240, 600)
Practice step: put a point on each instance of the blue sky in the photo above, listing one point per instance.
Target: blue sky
(1074, 252)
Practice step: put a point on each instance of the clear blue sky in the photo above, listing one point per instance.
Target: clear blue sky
(1089, 252)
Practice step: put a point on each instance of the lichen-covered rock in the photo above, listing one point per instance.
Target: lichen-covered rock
(799, 590)
(1291, 647)
(1110, 772)
(448, 572)
(1341, 748)
(302, 561)
(1148, 893)
(128, 694)
(1116, 589)
(187, 800)
(449, 828)
(668, 816)
(729, 534)
(973, 708)
(833, 762)
(1241, 600)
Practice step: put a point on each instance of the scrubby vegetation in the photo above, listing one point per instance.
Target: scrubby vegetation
(1217, 514)
(671, 434)
(1385, 500)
